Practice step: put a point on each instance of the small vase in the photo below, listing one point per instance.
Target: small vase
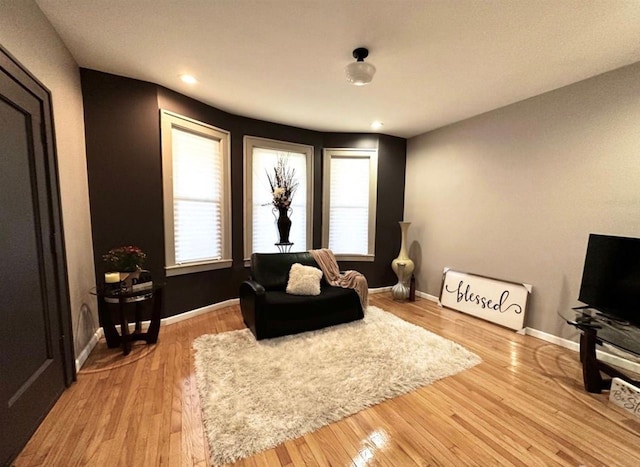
(284, 224)
(405, 271)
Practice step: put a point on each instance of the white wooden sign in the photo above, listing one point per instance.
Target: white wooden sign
(500, 302)
(625, 395)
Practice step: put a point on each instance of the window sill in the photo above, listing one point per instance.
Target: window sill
(180, 269)
(362, 258)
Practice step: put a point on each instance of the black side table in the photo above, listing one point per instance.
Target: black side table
(125, 300)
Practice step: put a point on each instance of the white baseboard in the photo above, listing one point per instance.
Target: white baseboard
(388, 289)
(82, 357)
(186, 315)
(432, 298)
(206, 309)
(617, 360)
(215, 306)
(84, 354)
(198, 311)
(566, 343)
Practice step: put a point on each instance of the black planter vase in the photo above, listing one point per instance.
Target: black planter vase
(284, 224)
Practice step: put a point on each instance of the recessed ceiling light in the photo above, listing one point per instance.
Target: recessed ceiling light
(377, 125)
(188, 79)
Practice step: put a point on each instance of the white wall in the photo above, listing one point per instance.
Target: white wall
(27, 35)
(514, 193)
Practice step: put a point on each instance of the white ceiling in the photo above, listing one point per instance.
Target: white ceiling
(438, 61)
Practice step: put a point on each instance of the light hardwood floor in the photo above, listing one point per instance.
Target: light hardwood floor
(524, 405)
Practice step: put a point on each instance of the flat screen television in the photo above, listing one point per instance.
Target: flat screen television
(611, 277)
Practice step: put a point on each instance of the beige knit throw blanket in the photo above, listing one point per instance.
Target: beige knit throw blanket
(347, 280)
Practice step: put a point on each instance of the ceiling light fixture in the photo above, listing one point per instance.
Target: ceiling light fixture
(360, 73)
(377, 125)
(188, 79)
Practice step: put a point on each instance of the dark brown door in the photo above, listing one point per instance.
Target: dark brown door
(33, 299)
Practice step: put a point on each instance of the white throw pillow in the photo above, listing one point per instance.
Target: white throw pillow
(304, 280)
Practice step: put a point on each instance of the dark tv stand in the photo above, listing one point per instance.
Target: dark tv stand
(596, 329)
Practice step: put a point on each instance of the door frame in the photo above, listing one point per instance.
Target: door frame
(13, 68)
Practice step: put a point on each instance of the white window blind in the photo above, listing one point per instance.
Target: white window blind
(264, 231)
(349, 205)
(196, 192)
(197, 197)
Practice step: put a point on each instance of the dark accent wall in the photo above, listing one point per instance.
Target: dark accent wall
(122, 125)
(392, 160)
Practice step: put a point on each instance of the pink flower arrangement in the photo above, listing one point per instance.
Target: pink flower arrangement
(124, 258)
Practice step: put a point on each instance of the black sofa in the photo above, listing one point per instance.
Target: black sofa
(268, 311)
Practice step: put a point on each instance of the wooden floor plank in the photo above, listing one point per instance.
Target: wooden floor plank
(523, 405)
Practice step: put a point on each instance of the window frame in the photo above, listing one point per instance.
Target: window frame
(372, 155)
(251, 142)
(168, 121)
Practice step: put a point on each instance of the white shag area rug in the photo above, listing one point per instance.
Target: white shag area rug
(257, 394)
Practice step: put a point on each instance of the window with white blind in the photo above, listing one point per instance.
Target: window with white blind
(261, 156)
(197, 205)
(349, 203)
